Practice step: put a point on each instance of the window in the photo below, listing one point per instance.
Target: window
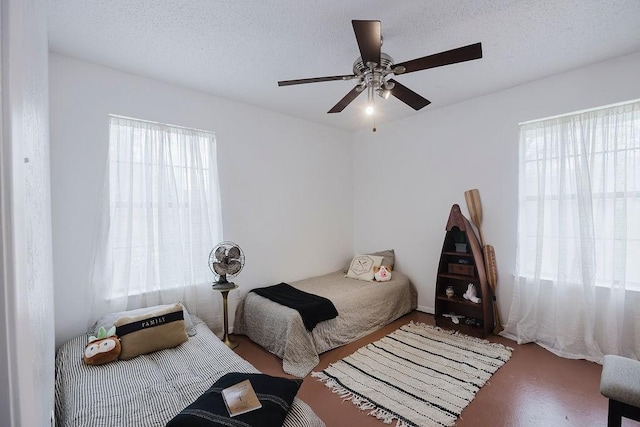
(578, 270)
(580, 201)
(164, 207)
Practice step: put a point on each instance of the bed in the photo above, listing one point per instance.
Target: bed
(148, 390)
(363, 307)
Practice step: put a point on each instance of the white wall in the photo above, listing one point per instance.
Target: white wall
(26, 277)
(286, 184)
(409, 173)
(295, 192)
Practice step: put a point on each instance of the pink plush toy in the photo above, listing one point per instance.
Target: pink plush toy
(382, 273)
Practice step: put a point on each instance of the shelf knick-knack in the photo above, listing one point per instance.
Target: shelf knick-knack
(459, 239)
(449, 291)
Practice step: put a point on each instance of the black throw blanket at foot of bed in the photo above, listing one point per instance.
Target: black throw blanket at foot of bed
(312, 308)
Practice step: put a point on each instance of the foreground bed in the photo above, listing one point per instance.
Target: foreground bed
(362, 308)
(148, 390)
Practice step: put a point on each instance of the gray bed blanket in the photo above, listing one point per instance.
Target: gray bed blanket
(362, 308)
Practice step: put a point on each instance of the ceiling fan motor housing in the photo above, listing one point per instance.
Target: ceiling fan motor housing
(371, 74)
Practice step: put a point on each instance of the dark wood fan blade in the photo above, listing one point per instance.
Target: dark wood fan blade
(353, 94)
(408, 96)
(315, 80)
(461, 54)
(368, 38)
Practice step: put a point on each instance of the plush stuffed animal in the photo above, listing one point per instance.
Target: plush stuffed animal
(103, 348)
(382, 273)
(471, 294)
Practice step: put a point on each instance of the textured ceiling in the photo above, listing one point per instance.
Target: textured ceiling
(239, 49)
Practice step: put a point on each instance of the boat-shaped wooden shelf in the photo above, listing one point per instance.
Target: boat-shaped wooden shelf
(472, 261)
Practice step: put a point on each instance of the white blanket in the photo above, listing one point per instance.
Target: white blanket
(362, 308)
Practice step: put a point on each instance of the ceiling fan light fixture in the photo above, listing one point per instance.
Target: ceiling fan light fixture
(384, 93)
(369, 110)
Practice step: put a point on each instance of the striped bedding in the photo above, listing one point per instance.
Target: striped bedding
(148, 390)
(362, 308)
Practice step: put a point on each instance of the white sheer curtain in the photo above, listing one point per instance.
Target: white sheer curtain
(577, 285)
(160, 218)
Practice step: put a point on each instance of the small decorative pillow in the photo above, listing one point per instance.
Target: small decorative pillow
(151, 332)
(103, 348)
(275, 394)
(388, 258)
(382, 273)
(361, 267)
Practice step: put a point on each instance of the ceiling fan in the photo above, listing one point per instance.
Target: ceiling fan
(374, 68)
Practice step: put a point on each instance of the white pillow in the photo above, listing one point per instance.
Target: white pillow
(361, 267)
(109, 319)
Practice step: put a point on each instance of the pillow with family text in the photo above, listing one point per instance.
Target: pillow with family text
(151, 332)
(109, 319)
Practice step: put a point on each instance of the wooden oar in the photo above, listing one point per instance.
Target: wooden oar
(474, 206)
(475, 210)
(492, 278)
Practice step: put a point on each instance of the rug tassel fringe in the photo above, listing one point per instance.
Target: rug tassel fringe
(358, 401)
(459, 334)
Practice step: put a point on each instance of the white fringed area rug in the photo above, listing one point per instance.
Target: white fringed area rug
(419, 375)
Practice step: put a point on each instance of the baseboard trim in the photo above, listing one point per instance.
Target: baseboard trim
(424, 309)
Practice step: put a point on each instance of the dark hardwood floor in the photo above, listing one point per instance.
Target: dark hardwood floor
(534, 388)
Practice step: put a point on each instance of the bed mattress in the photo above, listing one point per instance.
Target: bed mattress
(148, 390)
(362, 308)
